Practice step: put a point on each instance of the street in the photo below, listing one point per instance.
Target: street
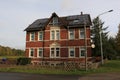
(26, 76)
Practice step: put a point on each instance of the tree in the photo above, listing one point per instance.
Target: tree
(7, 51)
(112, 52)
(118, 40)
(96, 29)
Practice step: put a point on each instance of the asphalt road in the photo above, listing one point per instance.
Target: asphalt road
(23, 76)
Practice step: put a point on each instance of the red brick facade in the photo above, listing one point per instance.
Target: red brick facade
(64, 44)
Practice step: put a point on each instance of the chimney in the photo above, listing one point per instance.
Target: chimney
(81, 13)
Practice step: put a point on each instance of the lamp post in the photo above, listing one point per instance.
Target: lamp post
(101, 47)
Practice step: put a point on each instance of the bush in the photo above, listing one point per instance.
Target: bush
(23, 61)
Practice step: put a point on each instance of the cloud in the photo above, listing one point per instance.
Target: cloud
(68, 4)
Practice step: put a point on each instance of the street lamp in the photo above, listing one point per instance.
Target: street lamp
(101, 47)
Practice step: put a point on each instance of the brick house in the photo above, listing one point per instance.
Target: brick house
(57, 39)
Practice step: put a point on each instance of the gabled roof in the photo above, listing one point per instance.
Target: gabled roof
(37, 25)
(71, 21)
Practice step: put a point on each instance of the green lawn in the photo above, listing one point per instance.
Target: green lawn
(108, 67)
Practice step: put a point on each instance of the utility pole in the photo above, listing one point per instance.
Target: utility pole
(100, 33)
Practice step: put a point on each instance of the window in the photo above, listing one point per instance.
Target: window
(71, 52)
(32, 36)
(40, 52)
(31, 53)
(55, 35)
(71, 34)
(52, 53)
(76, 21)
(52, 35)
(82, 52)
(55, 52)
(54, 21)
(82, 33)
(40, 35)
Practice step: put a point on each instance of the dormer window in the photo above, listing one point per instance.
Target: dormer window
(76, 21)
(54, 21)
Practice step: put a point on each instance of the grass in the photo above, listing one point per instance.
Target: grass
(108, 67)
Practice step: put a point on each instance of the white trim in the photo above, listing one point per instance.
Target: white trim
(30, 52)
(59, 39)
(59, 47)
(39, 36)
(73, 34)
(80, 33)
(55, 27)
(55, 33)
(38, 53)
(31, 36)
(69, 52)
(55, 47)
(80, 49)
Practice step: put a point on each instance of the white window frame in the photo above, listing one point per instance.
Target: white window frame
(39, 36)
(38, 50)
(30, 50)
(31, 36)
(55, 34)
(80, 52)
(55, 52)
(70, 33)
(57, 37)
(52, 36)
(82, 31)
(55, 21)
(70, 53)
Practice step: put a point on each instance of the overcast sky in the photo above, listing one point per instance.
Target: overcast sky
(16, 15)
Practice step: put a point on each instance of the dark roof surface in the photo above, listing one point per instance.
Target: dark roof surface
(71, 21)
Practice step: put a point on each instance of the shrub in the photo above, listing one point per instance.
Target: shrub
(23, 61)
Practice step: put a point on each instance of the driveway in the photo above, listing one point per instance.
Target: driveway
(25, 76)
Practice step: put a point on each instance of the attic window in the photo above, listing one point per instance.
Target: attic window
(76, 21)
(54, 21)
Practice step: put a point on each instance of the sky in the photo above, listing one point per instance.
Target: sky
(16, 15)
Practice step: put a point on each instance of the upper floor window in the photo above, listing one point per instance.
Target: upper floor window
(40, 35)
(71, 34)
(82, 51)
(54, 21)
(82, 33)
(55, 35)
(32, 36)
(71, 52)
(40, 52)
(55, 52)
(52, 35)
(76, 21)
(31, 52)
